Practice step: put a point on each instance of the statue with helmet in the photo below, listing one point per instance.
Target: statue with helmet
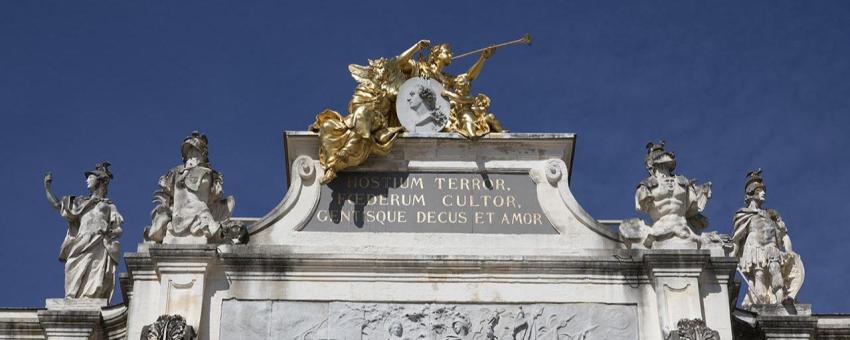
(674, 203)
(90, 249)
(773, 271)
(190, 204)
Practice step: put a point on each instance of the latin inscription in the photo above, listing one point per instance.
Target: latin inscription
(428, 202)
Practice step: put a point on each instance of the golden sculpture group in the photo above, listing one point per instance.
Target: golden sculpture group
(371, 125)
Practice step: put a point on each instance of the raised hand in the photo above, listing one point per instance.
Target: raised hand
(51, 198)
(488, 52)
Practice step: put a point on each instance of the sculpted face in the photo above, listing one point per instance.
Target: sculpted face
(193, 158)
(462, 85)
(91, 181)
(664, 164)
(761, 195)
(414, 100)
(460, 328)
(396, 329)
(446, 55)
(441, 55)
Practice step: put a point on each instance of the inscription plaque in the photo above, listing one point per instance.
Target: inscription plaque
(430, 202)
(301, 320)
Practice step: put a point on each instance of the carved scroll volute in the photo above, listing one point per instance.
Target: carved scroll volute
(551, 171)
(296, 208)
(554, 171)
(168, 327)
(306, 169)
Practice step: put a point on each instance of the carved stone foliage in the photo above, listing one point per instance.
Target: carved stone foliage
(390, 321)
(693, 329)
(168, 327)
(232, 232)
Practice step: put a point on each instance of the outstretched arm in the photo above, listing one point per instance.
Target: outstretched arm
(475, 70)
(51, 198)
(405, 56)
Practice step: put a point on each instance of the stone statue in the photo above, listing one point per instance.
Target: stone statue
(773, 271)
(90, 250)
(190, 205)
(674, 203)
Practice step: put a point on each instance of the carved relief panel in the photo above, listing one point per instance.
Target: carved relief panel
(407, 321)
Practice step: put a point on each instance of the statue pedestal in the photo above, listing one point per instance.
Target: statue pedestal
(72, 318)
(76, 304)
(169, 280)
(783, 309)
(786, 321)
(674, 243)
(678, 279)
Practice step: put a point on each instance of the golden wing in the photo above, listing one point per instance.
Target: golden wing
(360, 73)
(395, 76)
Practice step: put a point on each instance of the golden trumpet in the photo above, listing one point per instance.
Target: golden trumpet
(526, 40)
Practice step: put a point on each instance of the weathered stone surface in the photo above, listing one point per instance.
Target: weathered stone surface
(299, 320)
(357, 320)
(76, 304)
(782, 309)
(246, 319)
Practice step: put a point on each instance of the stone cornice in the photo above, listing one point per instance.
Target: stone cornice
(785, 325)
(283, 259)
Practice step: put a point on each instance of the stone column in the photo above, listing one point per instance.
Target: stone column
(182, 271)
(675, 276)
(72, 319)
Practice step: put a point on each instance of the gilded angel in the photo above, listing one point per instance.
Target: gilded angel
(370, 126)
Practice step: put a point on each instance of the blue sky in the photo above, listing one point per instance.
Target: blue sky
(731, 86)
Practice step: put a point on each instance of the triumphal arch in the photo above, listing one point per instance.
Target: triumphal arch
(418, 215)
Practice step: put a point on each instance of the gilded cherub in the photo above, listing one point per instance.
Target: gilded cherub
(469, 114)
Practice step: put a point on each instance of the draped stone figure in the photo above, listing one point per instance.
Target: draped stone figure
(90, 249)
(190, 204)
(673, 202)
(773, 271)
